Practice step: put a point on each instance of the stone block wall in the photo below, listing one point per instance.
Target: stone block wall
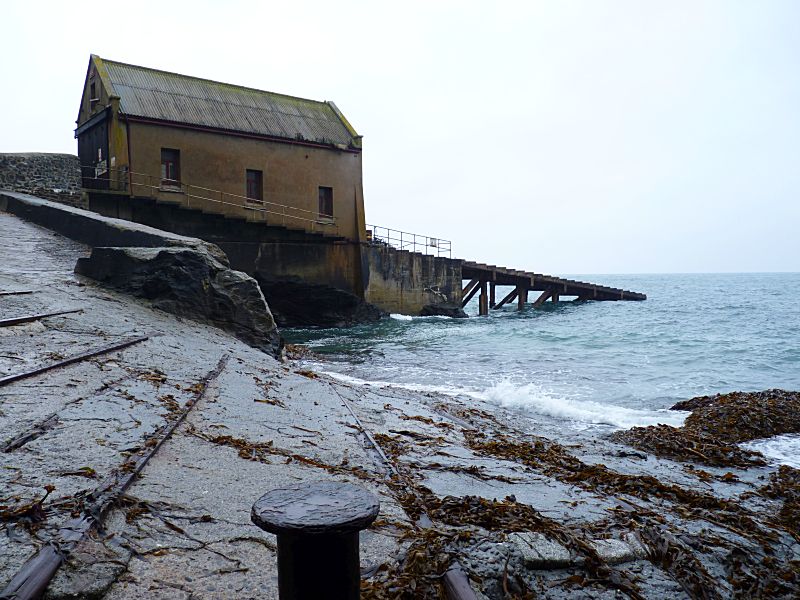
(51, 176)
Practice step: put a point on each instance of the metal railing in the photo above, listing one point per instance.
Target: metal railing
(195, 196)
(413, 242)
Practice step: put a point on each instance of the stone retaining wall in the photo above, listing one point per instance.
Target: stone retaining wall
(51, 176)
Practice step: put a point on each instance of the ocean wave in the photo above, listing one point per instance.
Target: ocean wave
(781, 449)
(532, 398)
(413, 387)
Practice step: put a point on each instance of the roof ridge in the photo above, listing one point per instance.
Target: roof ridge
(205, 80)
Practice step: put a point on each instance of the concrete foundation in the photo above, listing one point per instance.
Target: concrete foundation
(396, 281)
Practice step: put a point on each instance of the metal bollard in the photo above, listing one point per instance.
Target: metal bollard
(317, 525)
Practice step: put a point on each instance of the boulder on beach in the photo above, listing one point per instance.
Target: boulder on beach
(188, 282)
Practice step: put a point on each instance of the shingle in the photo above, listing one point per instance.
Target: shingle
(153, 94)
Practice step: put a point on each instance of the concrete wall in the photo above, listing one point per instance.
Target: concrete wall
(292, 174)
(395, 281)
(399, 281)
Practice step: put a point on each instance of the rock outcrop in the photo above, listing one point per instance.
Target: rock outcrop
(189, 282)
(298, 304)
(444, 309)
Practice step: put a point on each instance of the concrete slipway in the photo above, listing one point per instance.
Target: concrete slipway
(183, 529)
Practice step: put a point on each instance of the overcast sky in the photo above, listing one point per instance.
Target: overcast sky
(561, 137)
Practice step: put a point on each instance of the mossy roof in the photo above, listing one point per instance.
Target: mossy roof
(164, 96)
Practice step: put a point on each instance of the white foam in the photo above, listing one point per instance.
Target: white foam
(399, 317)
(414, 387)
(782, 449)
(531, 398)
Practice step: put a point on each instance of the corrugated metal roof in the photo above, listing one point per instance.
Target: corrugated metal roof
(178, 98)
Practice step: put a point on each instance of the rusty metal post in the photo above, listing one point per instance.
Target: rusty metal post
(317, 525)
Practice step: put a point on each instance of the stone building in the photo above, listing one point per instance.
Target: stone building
(223, 148)
(274, 180)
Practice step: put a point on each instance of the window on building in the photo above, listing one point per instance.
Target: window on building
(170, 166)
(93, 99)
(326, 202)
(255, 184)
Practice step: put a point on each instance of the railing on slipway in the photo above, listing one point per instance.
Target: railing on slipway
(413, 242)
(143, 184)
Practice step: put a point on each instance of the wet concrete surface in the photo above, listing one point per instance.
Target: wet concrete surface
(183, 529)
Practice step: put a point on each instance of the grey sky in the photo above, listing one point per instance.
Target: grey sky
(561, 137)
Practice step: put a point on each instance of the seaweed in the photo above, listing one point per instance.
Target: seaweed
(553, 460)
(30, 513)
(685, 445)
(261, 451)
(743, 416)
(717, 424)
(785, 484)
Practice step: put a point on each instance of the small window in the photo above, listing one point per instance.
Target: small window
(255, 185)
(326, 202)
(170, 166)
(93, 99)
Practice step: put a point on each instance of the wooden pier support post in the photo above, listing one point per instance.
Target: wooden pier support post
(522, 297)
(555, 297)
(542, 299)
(483, 301)
(492, 301)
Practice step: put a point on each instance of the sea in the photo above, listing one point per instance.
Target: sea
(592, 365)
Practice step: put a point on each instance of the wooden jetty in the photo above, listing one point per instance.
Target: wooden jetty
(484, 279)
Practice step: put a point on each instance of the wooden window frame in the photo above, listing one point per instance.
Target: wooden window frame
(93, 99)
(170, 165)
(325, 196)
(254, 185)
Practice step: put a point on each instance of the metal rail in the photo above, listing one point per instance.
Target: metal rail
(72, 359)
(151, 186)
(32, 579)
(413, 242)
(28, 318)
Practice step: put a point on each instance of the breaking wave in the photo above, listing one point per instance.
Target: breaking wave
(782, 449)
(532, 398)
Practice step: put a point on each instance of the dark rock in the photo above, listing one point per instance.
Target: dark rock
(189, 282)
(445, 309)
(299, 304)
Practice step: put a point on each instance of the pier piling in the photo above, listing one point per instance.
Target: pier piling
(485, 279)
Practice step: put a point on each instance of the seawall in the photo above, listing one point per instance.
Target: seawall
(45, 175)
(395, 281)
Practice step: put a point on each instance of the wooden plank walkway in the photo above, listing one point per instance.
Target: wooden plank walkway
(484, 278)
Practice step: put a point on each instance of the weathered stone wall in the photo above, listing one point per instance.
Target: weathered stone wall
(399, 281)
(51, 176)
